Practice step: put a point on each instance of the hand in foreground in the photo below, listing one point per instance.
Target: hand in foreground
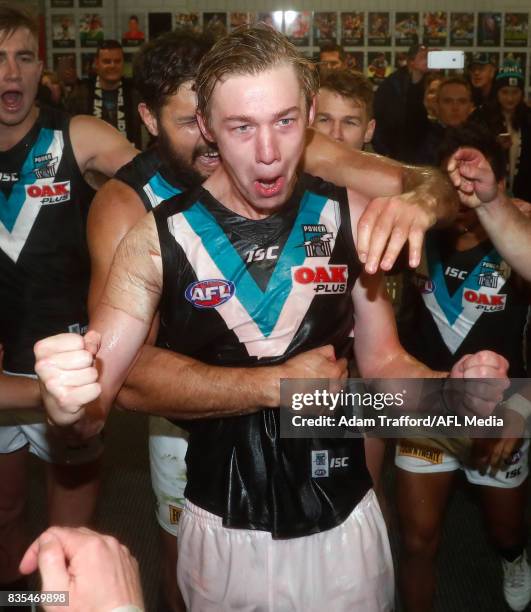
(472, 176)
(487, 374)
(68, 378)
(99, 573)
(387, 223)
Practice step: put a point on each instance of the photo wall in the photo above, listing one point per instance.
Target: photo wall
(376, 42)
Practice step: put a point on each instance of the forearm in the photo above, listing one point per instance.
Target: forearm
(401, 364)
(19, 392)
(509, 231)
(173, 385)
(435, 189)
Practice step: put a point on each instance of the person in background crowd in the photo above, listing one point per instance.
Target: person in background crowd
(331, 57)
(481, 73)
(431, 83)
(507, 116)
(51, 90)
(463, 298)
(453, 107)
(44, 274)
(390, 104)
(344, 108)
(109, 96)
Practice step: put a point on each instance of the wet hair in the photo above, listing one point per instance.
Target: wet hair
(475, 135)
(250, 50)
(165, 63)
(14, 18)
(350, 84)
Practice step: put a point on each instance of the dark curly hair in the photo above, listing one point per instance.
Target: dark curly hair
(165, 63)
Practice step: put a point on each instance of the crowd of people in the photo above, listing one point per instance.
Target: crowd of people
(179, 243)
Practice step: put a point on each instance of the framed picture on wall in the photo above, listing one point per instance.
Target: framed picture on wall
(238, 19)
(188, 21)
(354, 60)
(378, 32)
(87, 64)
(64, 64)
(406, 29)
(215, 24)
(273, 19)
(519, 57)
(352, 29)
(90, 3)
(63, 31)
(435, 28)
(489, 26)
(324, 28)
(297, 26)
(159, 23)
(91, 29)
(379, 66)
(133, 28)
(62, 3)
(515, 29)
(462, 29)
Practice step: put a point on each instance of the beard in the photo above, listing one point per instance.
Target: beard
(181, 168)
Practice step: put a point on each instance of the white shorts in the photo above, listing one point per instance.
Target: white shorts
(417, 459)
(344, 569)
(167, 451)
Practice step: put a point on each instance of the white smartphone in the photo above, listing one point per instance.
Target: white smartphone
(446, 59)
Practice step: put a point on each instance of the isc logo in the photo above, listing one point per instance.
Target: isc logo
(209, 293)
(49, 194)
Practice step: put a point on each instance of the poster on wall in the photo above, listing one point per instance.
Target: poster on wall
(435, 28)
(518, 57)
(62, 3)
(462, 29)
(273, 20)
(354, 60)
(324, 28)
(297, 26)
(489, 26)
(87, 65)
(63, 31)
(133, 28)
(90, 3)
(238, 19)
(91, 29)
(64, 64)
(352, 29)
(188, 21)
(378, 32)
(406, 29)
(515, 29)
(159, 23)
(215, 24)
(379, 66)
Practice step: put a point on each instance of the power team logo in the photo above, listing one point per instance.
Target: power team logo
(45, 165)
(317, 241)
(54, 193)
(324, 279)
(209, 293)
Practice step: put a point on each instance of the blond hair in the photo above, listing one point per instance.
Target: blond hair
(249, 50)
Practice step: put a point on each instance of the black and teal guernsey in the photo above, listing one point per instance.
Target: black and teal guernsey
(459, 303)
(244, 293)
(44, 262)
(151, 179)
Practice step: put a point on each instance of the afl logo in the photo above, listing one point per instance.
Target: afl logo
(209, 293)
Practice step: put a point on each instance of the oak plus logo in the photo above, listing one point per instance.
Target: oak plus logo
(49, 193)
(330, 279)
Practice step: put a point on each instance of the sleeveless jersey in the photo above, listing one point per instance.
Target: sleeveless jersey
(151, 179)
(44, 263)
(238, 292)
(464, 302)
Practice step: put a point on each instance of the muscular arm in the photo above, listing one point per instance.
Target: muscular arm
(99, 147)
(403, 201)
